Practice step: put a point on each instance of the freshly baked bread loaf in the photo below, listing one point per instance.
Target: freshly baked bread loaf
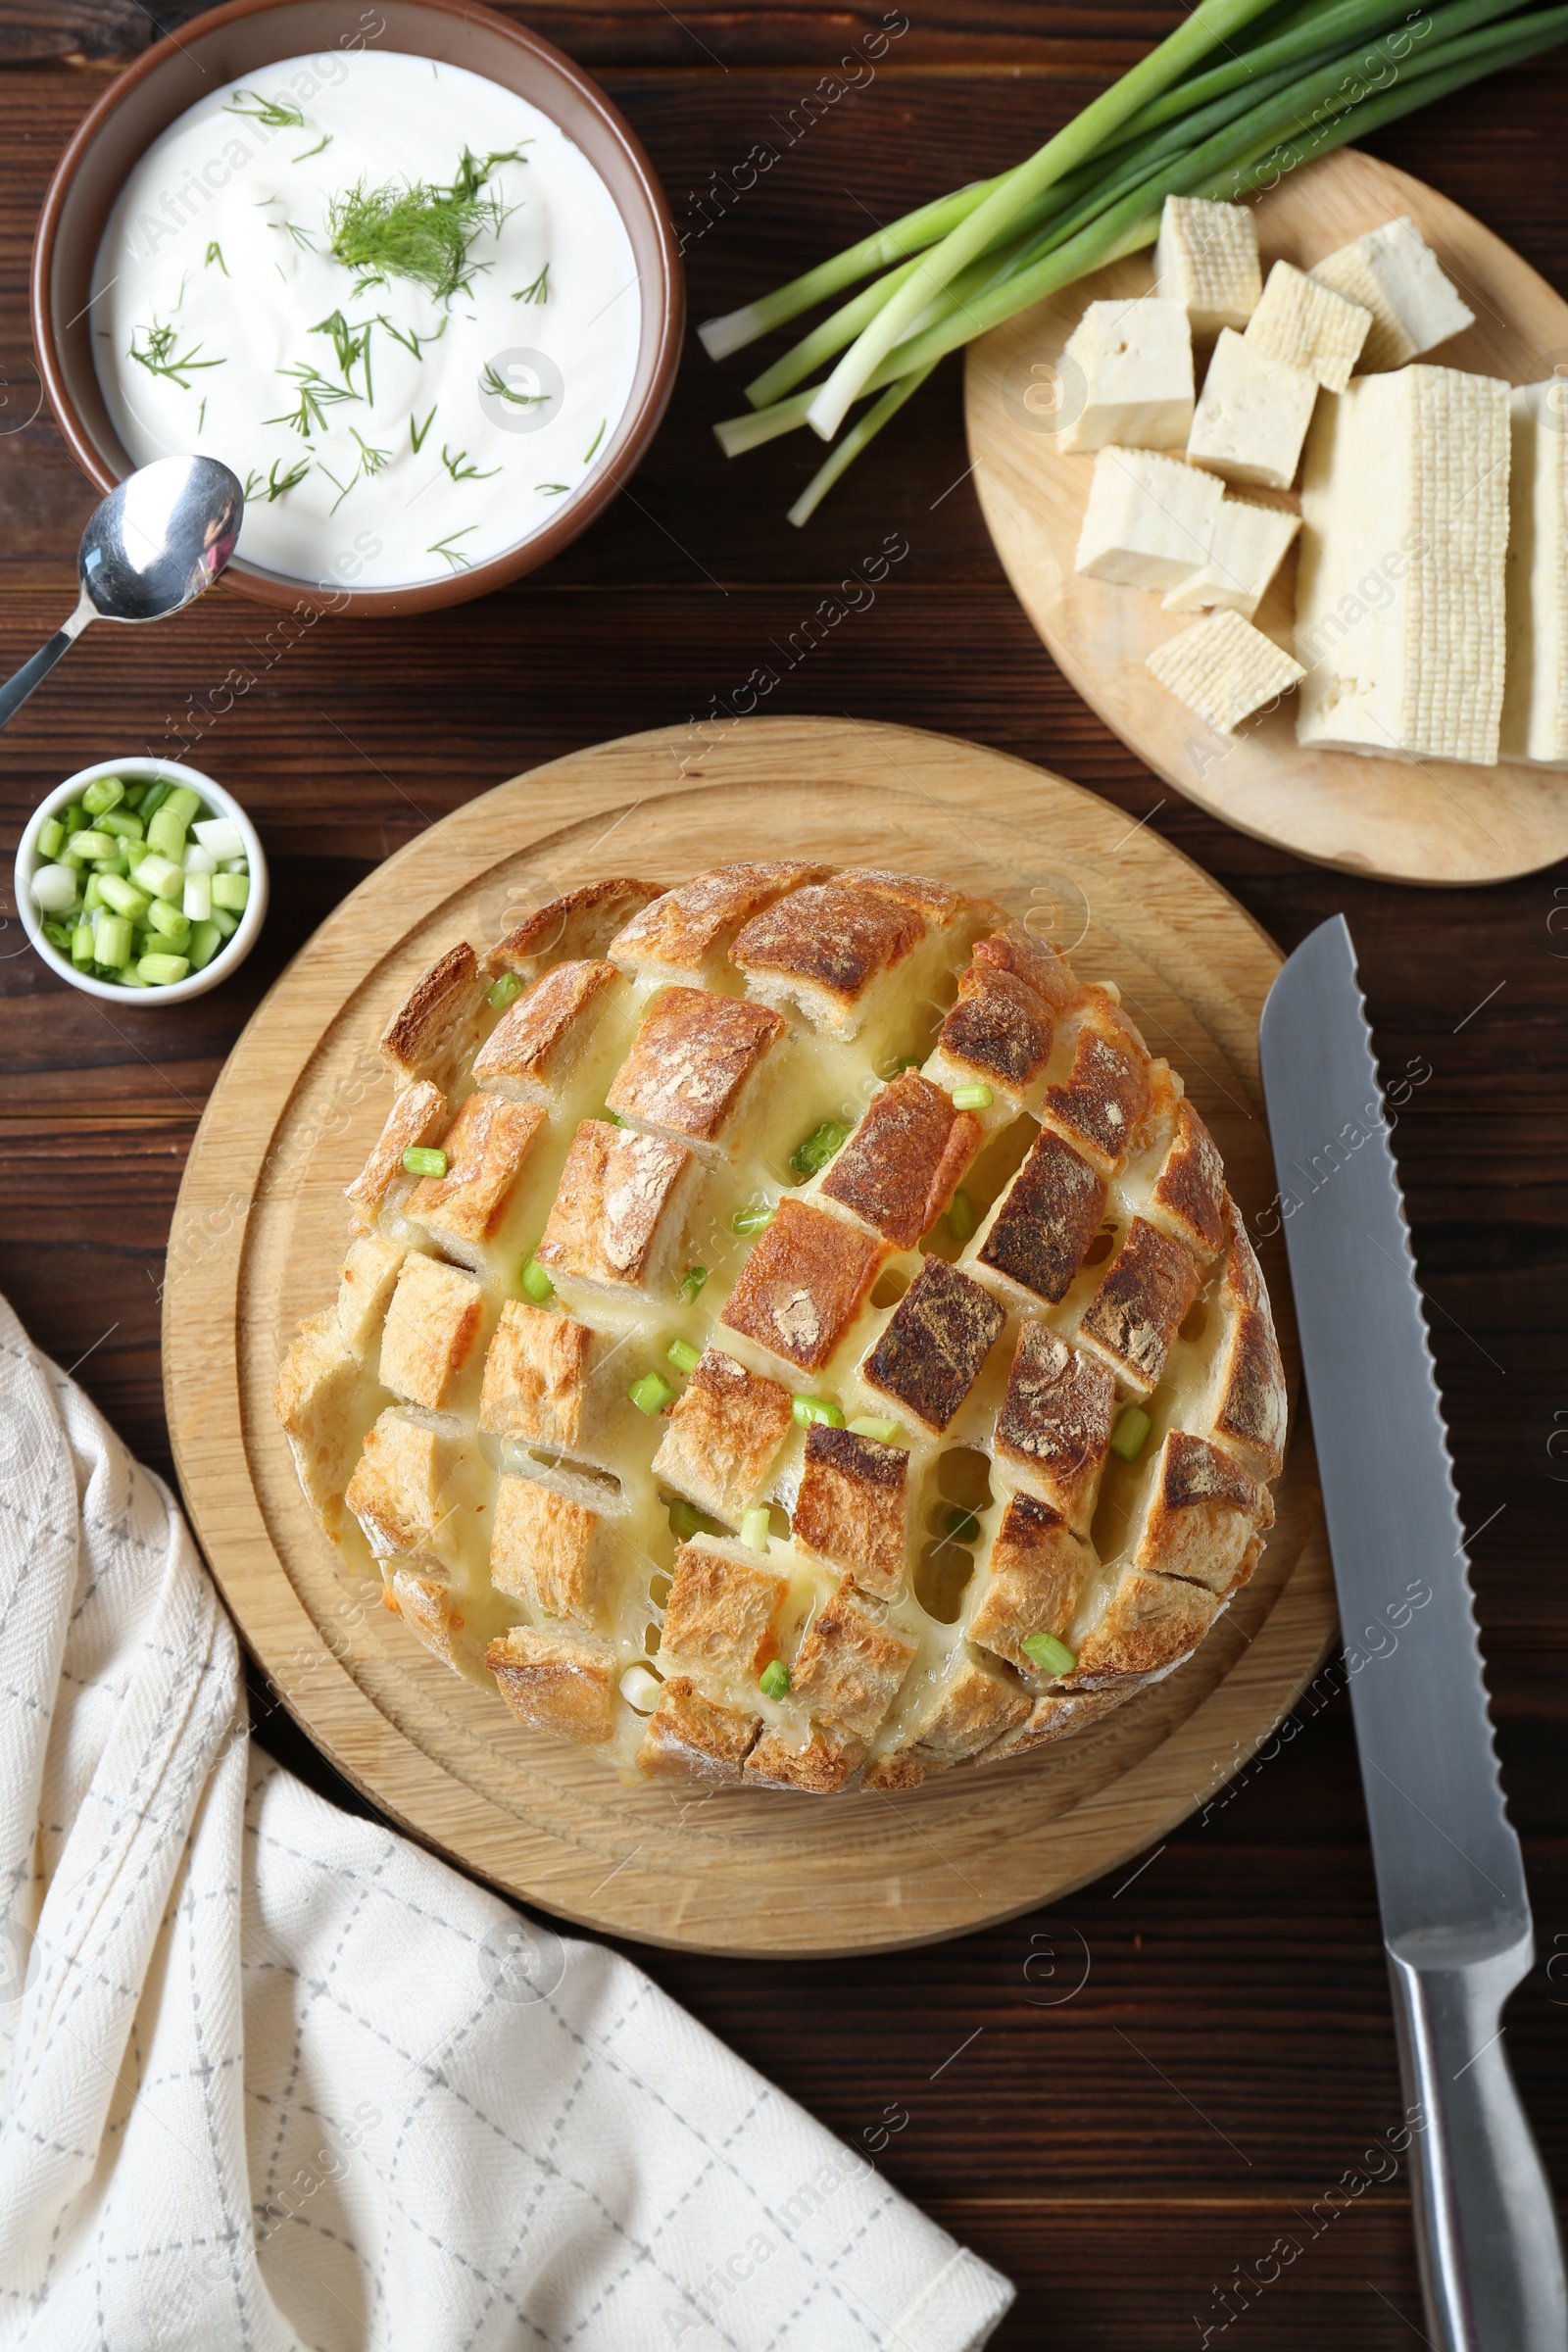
(795, 1334)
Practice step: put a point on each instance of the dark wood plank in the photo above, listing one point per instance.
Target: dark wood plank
(1128, 2153)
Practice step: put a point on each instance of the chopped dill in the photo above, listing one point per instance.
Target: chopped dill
(301, 236)
(317, 395)
(551, 489)
(215, 253)
(153, 348)
(539, 291)
(275, 483)
(457, 560)
(409, 337)
(412, 229)
(326, 142)
(417, 433)
(276, 114)
(462, 469)
(201, 417)
(370, 463)
(594, 443)
(352, 345)
(499, 389)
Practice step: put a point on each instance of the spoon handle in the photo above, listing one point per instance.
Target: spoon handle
(15, 690)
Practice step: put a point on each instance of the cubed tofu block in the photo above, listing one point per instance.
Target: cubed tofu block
(800, 1288)
(365, 1287)
(427, 1034)
(1251, 541)
(847, 1670)
(1399, 595)
(557, 1682)
(1534, 703)
(695, 1061)
(1053, 1429)
(430, 1333)
(1135, 1315)
(539, 1042)
(486, 1146)
(1149, 519)
(721, 1617)
(417, 1117)
(536, 1377)
(401, 1484)
(1031, 1583)
(1306, 325)
(1393, 273)
(853, 1507)
(930, 1354)
(900, 1167)
(1205, 258)
(689, 1738)
(1045, 1221)
(1200, 1516)
(1224, 669)
(1251, 420)
(723, 1435)
(621, 1209)
(1105, 1094)
(1128, 371)
(552, 1553)
(688, 932)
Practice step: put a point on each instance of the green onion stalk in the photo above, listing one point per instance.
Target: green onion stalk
(1284, 91)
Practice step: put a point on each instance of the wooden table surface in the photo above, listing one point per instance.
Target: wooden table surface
(1185, 2077)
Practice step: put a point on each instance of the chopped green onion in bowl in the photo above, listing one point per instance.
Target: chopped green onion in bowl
(116, 892)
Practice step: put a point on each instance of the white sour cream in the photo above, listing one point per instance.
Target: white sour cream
(479, 412)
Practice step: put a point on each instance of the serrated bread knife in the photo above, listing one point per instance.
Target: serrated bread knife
(1451, 1881)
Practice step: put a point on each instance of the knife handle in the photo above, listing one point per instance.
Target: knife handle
(1491, 2264)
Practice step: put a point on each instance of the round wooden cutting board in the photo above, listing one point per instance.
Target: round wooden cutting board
(1432, 822)
(259, 1230)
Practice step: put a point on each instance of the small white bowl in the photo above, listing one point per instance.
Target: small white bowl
(233, 951)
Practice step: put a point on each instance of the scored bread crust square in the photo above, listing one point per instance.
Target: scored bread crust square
(738, 1404)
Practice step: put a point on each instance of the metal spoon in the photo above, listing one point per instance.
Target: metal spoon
(155, 543)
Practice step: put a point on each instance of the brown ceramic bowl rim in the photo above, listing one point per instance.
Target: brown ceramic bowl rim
(637, 427)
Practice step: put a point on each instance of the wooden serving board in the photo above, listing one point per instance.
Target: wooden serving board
(259, 1230)
(1433, 821)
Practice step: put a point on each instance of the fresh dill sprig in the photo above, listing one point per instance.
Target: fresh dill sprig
(417, 433)
(201, 417)
(409, 337)
(275, 113)
(551, 489)
(539, 291)
(317, 394)
(594, 443)
(301, 236)
(413, 230)
(326, 142)
(448, 547)
(462, 468)
(500, 389)
(276, 483)
(153, 348)
(215, 253)
(370, 463)
(352, 345)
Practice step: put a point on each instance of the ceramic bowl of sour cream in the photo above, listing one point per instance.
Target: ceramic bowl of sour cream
(398, 263)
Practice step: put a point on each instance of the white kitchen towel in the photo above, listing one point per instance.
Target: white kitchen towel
(271, 2077)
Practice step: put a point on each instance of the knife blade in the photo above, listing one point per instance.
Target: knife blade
(1450, 1874)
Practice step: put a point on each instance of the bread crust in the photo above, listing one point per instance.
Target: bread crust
(427, 1033)
(691, 1739)
(822, 1767)
(486, 1146)
(931, 1352)
(849, 1669)
(424, 1604)
(579, 924)
(1034, 1577)
(537, 1039)
(1138, 1309)
(619, 1210)
(690, 928)
(1150, 1622)
(365, 1287)
(977, 1705)
(853, 1507)
(557, 1682)
(536, 1377)
(692, 1062)
(1248, 1407)
(314, 1395)
(827, 944)
(400, 1483)
(1046, 1221)
(721, 1617)
(723, 1435)
(417, 1116)
(1202, 1512)
(900, 1168)
(549, 1552)
(431, 1331)
(1098, 1105)
(801, 1287)
(999, 1029)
